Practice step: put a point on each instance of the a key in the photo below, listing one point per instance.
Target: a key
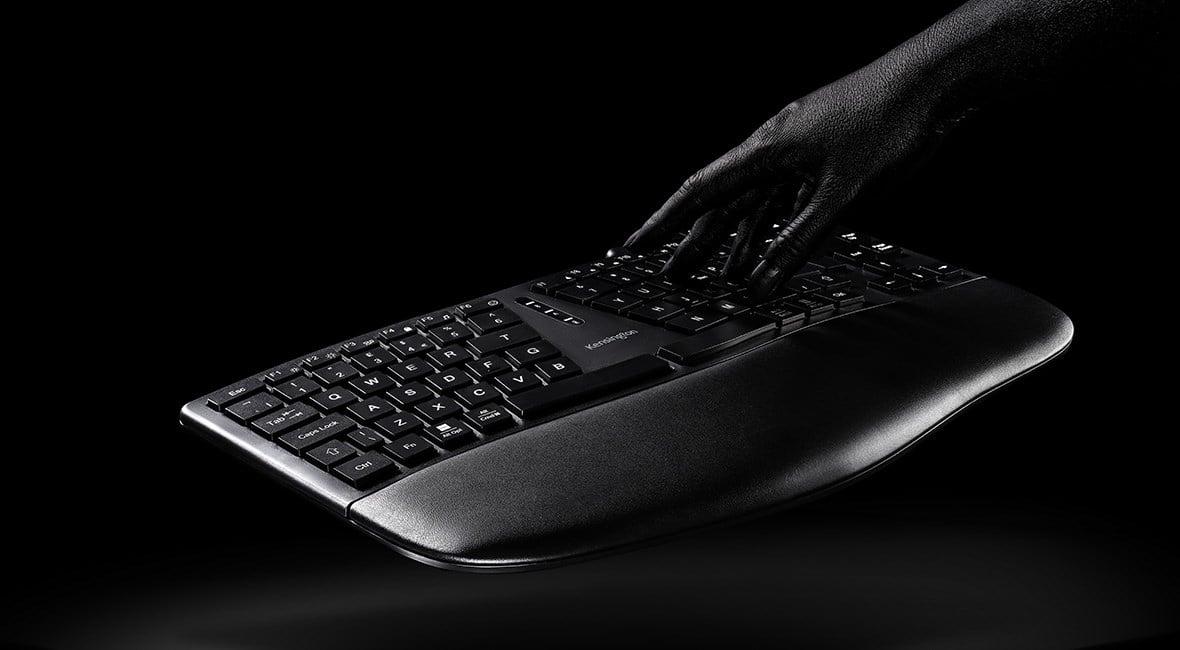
(366, 470)
(492, 321)
(883, 267)
(438, 408)
(411, 345)
(409, 394)
(373, 383)
(802, 285)
(449, 356)
(398, 424)
(943, 271)
(517, 381)
(655, 312)
(469, 309)
(371, 409)
(306, 437)
(829, 280)
(394, 332)
(357, 345)
(285, 373)
(434, 320)
(551, 284)
(685, 299)
(313, 361)
(890, 285)
(616, 303)
(410, 450)
(531, 353)
(853, 256)
(488, 366)
(373, 359)
(285, 419)
(584, 291)
(557, 369)
(331, 453)
(510, 337)
(296, 388)
(333, 398)
(645, 290)
(410, 370)
(448, 380)
(884, 251)
(450, 434)
(252, 407)
(585, 386)
(365, 439)
(334, 373)
(710, 343)
(477, 394)
(728, 307)
(450, 333)
(814, 305)
(696, 320)
(490, 418)
(783, 313)
(227, 396)
(618, 276)
(844, 299)
(919, 278)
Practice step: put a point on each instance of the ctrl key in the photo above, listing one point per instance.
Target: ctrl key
(366, 470)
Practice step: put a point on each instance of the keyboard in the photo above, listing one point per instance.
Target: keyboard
(489, 435)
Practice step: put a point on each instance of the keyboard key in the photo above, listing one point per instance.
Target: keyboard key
(854, 256)
(829, 280)
(357, 345)
(696, 320)
(844, 299)
(373, 384)
(488, 366)
(557, 369)
(333, 398)
(410, 370)
(448, 380)
(296, 388)
(655, 312)
(366, 470)
(434, 320)
(334, 373)
(469, 309)
(283, 420)
(802, 285)
(919, 278)
(728, 307)
(226, 396)
(477, 394)
(584, 387)
(852, 238)
(309, 436)
(410, 450)
(252, 407)
(286, 373)
(450, 333)
(408, 346)
(439, 408)
(549, 285)
(884, 251)
(883, 267)
(492, 321)
(619, 276)
(531, 353)
(490, 418)
(584, 291)
(313, 361)
(725, 337)
(399, 331)
(685, 299)
(449, 356)
(783, 312)
(371, 409)
(616, 303)
(365, 439)
(943, 271)
(398, 424)
(517, 381)
(409, 394)
(646, 290)
(331, 453)
(814, 305)
(890, 285)
(450, 433)
(510, 337)
(373, 359)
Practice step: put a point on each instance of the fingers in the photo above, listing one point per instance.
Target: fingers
(713, 187)
(751, 232)
(790, 249)
(707, 234)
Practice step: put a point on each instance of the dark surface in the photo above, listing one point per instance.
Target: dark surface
(276, 184)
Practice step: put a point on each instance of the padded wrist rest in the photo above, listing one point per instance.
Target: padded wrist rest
(777, 423)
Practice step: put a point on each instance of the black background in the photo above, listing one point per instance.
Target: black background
(243, 204)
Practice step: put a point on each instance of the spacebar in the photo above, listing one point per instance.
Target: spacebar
(580, 388)
(714, 341)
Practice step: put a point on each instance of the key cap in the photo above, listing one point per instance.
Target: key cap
(616, 303)
(549, 285)
(313, 361)
(714, 342)
(333, 398)
(296, 388)
(331, 453)
(371, 409)
(943, 271)
(450, 434)
(410, 370)
(618, 276)
(645, 290)
(517, 381)
(450, 333)
(252, 407)
(531, 353)
(783, 313)
(394, 332)
(438, 408)
(919, 278)
(696, 320)
(449, 356)
(851, 238)
(728, 307)
(557, 369)
(883, 267)
(844, 299)
(829, 280)
(802, 285)
(814, 305)
(584, 291)
(286, 373)
(512, 336)
(357, 345)
(334, 373)
(227, 396)
(477, 394)
(410, 450)
(489, 366)
(685, 299)
(409, 394)
(309, 436)
(490, 418)
(584, 387)
(366, 470)
(853, 256)
(398, 424)
(645, 269)
(373, 359)
(884, 251)
(448, 380)
(434, 320)
(655, 312)
(373, 383)
(408, 346)
(284, 419)
(469, 309)
(713, 291)
(492, 321)
(890, 285)
(365, 439)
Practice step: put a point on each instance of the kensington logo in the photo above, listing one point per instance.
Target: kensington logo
(621, 336)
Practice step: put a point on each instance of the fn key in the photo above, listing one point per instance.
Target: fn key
(366, 470)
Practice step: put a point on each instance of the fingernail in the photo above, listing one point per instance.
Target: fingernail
(631, 240)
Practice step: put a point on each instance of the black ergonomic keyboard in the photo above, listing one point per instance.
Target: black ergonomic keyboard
(348, 423)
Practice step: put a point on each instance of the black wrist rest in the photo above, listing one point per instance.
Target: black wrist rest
(781, 422)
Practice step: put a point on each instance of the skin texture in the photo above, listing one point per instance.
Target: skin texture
(809, 162)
